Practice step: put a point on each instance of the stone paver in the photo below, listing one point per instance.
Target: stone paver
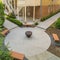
(9, 25)
(44, 56)
(49, 21)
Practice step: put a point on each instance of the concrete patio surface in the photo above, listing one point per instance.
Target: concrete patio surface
(19, 42)
(15, 41)
(44, 56)
(9, 25)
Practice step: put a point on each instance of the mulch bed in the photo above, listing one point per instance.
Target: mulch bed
(53, 48)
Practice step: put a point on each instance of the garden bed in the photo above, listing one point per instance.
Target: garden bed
(53, 48)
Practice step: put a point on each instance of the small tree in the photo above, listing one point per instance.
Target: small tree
(2, 19)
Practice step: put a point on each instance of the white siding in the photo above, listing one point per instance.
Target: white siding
(28, 2)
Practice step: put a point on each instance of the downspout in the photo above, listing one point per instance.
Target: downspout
(40, 9)
(34, 11)
(25, 15)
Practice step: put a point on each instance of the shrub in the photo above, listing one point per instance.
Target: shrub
(5, 55)
(36, 23)
(1, 14)
(4, 52)
(1, 40)
(1, 22)
(42, 19)
(12, 15)
(57, 24)
(15, 21)
(2, 28)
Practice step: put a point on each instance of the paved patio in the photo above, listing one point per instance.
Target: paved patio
(19, 42)
(9, 25)
(45, 55)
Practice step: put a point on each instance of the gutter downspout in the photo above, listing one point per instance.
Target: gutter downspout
(40, 9)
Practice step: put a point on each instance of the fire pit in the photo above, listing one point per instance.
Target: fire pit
(28, 34)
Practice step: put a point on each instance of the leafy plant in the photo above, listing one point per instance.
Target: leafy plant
(15, 21)
(4, 52)
(1, 14)
(12, 15)
(36, 23)
(57, 24)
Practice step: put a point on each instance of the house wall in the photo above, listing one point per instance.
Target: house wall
(47, 7)
(58, 2)
(32, 2)
(44, 11)
(28, 2)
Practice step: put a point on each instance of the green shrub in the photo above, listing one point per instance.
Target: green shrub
(36, 23)
(1, 22)
(57, 24)
(15, 21)
(1, 40)
(4, 52)
(12, 15)
(2, 28)
(43, 19)
(2, 19)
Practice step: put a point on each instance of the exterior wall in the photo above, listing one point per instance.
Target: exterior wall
(46, 2)
(37, 14)
(58, 2)
(45, 11)
(28, 2)
(56, 7)
(48, 6)
(29, 10)
(32, 2)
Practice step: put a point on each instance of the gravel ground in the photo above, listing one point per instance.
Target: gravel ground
(53, 48)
